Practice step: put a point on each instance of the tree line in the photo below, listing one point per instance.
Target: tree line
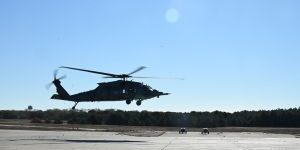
(262, 118)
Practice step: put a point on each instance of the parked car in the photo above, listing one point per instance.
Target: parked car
(182, 131)
(205, 131)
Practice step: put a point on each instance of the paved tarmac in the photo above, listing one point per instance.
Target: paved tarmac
(79, 140)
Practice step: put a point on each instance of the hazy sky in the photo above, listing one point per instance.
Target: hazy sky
(233, 54)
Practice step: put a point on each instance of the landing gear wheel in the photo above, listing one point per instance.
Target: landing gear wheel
(73, 108)
(128, 102)
(138, 103)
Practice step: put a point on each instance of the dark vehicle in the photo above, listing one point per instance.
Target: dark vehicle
(182, 131)
(108, 91)
(204, 131)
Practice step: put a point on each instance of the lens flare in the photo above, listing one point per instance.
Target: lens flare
(172, 15)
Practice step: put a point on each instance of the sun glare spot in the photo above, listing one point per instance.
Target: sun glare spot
(172, 15)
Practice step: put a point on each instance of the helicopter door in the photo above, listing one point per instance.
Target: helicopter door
(131, 92)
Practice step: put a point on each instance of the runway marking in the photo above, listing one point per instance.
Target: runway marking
(79, 141)
(169, 143)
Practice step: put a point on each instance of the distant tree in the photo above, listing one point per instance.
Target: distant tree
(262, 118)
(29, 107)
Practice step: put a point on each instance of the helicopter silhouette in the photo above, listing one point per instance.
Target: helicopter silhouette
(120, 90)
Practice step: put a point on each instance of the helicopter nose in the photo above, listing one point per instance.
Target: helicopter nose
(166, 93)
(162, 93)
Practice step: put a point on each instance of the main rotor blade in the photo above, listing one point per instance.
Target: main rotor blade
(90, 71)
(136, 70)
(107, 77)
(164, 78)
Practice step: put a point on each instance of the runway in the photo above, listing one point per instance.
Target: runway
(79, 140)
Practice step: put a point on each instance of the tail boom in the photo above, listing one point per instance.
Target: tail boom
(61, 92)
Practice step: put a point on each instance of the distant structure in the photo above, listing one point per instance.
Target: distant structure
(29, 108)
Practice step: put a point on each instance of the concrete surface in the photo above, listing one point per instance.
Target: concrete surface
(79, 140)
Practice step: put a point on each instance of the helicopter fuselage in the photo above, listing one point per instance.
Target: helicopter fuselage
(108, 91)
(112, 91)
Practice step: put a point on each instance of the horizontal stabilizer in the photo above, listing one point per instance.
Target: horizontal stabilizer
(56, 96)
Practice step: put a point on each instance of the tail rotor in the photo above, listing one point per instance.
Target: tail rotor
(55, 79)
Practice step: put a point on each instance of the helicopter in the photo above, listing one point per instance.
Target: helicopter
(119, 90)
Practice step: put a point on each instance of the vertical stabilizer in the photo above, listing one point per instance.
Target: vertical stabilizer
(62, 93)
